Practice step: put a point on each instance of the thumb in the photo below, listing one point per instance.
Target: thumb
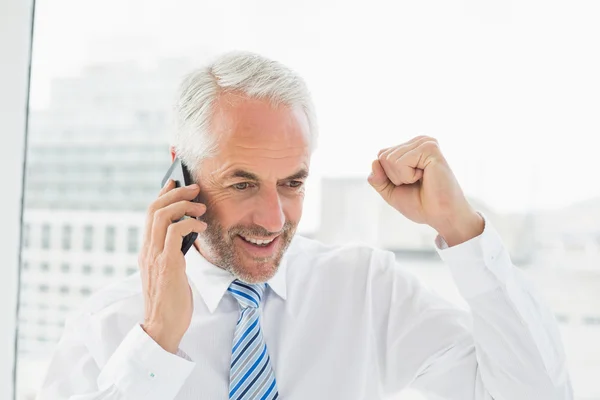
(378, 178)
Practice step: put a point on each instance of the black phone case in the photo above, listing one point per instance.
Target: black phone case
(182, 177)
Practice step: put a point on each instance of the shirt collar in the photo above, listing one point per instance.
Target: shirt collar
(212, 281)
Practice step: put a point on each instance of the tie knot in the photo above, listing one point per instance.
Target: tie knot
(248, 295)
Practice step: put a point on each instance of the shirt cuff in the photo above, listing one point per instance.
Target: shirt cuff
(141, 369)
(479, 265)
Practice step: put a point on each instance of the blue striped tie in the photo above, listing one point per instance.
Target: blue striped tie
(250, 376)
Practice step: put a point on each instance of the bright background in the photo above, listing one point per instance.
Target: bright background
(510, 89)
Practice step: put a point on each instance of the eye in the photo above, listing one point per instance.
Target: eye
(241, 186)
(296, 184)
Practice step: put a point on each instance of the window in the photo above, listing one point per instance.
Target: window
(88, 237)
(66, 237)
(86, 269)
(132, 239)
(591, 320)
(110, 239)
(26, 235)
(45, 236)
(109, 270)
(510, 90)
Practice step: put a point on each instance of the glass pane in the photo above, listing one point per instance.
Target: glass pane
(133, 239)
(508, 88)
(88, 238)
(110, 239)
(66, 239)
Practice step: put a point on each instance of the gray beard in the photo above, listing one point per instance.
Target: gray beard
(221, 247)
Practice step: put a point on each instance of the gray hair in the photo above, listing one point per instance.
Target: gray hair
(242, 72)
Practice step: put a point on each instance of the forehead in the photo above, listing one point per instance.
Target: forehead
(248, 126)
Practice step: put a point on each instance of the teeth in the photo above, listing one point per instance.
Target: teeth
(259, 242)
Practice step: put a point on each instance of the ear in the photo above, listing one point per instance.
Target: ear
(173, 155)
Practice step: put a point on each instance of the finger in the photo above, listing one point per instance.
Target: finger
(166, 216)
(419, 138)
(384, 150)
(168, 186)
(411, 141)
(389, 159)
(169, 194)
(150, 212)
(176, 194)
(378, 178)
(177, 231)
(399, 151)
(411, 166)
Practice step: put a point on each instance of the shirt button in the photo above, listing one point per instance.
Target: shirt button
(152, 375)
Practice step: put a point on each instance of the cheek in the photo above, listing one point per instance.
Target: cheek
(228, 213)
(293, 208)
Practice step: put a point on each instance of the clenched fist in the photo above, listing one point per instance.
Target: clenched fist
(415, 179)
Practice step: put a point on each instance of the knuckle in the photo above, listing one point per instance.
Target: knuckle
(172, 228)
(152, 208)
(427, 139)
(431, 145)
(160, 215)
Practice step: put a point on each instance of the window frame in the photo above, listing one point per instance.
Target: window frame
(16, 20)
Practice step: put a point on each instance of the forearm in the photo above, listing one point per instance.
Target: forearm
(518, 346)
(138, 369)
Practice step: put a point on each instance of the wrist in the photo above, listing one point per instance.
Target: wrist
(162, 337)
(462, 228)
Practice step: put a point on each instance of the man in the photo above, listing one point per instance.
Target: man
(254, 312)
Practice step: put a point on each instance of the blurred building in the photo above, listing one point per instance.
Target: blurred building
(98, 174)
(66, 256)
(95, 159)
(103, 142)
(570, 237)
(352, 211)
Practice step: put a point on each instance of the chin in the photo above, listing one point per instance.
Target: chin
(257, 273)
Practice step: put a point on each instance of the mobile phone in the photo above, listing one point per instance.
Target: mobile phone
(182, 177)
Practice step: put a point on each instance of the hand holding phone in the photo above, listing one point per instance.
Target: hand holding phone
(168, 303)
(182, 177)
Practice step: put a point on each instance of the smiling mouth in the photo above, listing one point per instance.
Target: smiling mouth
(258, 242)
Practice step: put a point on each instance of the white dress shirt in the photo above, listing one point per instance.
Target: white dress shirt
(340, 322)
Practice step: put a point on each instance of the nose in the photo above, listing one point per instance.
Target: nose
(269, 210)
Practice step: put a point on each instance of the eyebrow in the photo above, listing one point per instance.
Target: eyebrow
(240, 173)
